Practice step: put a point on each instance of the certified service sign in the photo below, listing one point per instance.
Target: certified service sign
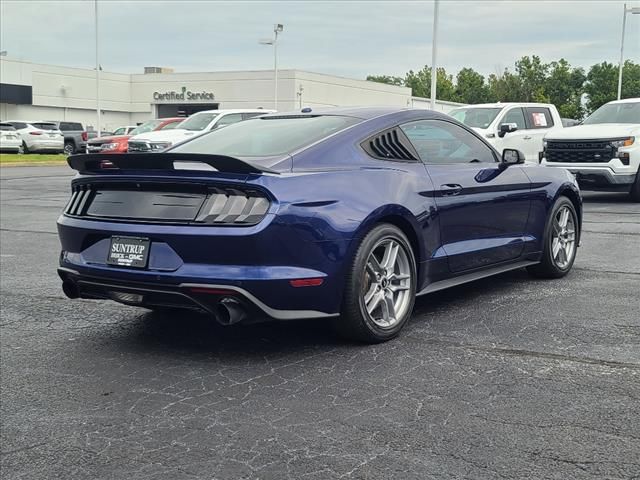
(183, 95)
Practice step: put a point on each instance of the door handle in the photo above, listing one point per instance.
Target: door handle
(527, 137)
(450, 189)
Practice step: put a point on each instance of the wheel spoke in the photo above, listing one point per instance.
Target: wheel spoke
(562, 257)
(397, 277)
(374, 302)
(398, 288)
(388, 309)
(555, 247)
(564, 217)
(556, 227)
(390, 255)
(373, 266)
(370, 293)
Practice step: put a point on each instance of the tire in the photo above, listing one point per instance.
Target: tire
(24, 148)
(561, 237)
(379, 292)
(69, 148)
(634, 194)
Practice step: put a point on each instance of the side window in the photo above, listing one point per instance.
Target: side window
(228, 120)
(18, 125)
(538, 117)
(516, 116)
(119, 131)
(64, 126)
(441, 142)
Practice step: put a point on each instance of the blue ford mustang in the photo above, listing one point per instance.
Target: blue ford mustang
(346, 214)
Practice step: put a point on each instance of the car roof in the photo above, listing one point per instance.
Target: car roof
(363, 113)
(627, 100)
(504, 104)
(235, 110)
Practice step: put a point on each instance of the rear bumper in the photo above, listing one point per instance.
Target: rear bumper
(57, 146)
(254, 265)
(204, 297)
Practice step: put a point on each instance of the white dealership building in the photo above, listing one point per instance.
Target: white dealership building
(30, 92)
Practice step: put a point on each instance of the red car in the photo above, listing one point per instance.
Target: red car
(119, 143)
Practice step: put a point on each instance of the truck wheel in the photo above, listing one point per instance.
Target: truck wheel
(635, 189)
(560, 241)
(69, 148)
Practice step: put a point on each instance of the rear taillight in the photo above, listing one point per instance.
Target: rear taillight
(35, 133)
(85, 136)
(233, 207)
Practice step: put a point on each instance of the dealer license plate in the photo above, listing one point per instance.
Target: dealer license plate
(129, 252)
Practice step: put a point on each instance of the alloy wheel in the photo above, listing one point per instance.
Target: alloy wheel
(563, 240)
(386, 291)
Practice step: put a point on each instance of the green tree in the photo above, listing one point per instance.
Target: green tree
(601, 86)
(602, 83)
(420, 83)
(564, 88)
(471, 87)
(388, 79)
(532, 73)
(505, 87)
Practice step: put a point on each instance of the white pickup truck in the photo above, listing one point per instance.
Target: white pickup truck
(512, 125)
(604, 151)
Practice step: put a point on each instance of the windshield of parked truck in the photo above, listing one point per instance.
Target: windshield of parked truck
(476, 117)
(628, 112)
(198, 121)
(149, 126)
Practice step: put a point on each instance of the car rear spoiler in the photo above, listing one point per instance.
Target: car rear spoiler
(99, 162)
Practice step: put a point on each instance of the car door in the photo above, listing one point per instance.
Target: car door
(522, 139)
(539, 122)
(482, 208)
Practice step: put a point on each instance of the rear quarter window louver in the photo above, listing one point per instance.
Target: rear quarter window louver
(391, 144)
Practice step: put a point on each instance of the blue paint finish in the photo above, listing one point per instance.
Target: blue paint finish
(323, 202)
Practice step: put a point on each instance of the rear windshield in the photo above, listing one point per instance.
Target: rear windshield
(266, 137)
(615, 113)
(198, 121)
(475, 117)
(6, 126)
(45, 126)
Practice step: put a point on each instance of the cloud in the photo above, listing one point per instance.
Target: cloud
(343, 38)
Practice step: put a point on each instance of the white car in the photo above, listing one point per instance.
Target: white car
(195, 125)
(10, 140)
(123, 130)
(604, 151)
(522, 126)
(39, 137)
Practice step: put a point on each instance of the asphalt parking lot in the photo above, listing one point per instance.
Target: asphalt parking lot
(505, 378)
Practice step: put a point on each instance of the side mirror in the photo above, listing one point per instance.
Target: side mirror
(511, 156)
(507, 128)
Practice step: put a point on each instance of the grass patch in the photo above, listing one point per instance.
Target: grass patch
(31, 159)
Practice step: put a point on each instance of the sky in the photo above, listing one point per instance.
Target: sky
(345, 38)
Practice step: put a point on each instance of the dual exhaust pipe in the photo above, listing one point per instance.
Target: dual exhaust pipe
(227, 311)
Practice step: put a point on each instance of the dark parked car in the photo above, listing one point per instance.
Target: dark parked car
(344, 214)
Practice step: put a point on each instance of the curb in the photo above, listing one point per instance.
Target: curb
(33, 164)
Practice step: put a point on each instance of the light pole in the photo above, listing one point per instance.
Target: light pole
(98, 126)
(434, 50)
(277, 28)
(633, 11)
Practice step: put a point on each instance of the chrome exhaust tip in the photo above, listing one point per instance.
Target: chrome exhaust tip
(230, 311)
